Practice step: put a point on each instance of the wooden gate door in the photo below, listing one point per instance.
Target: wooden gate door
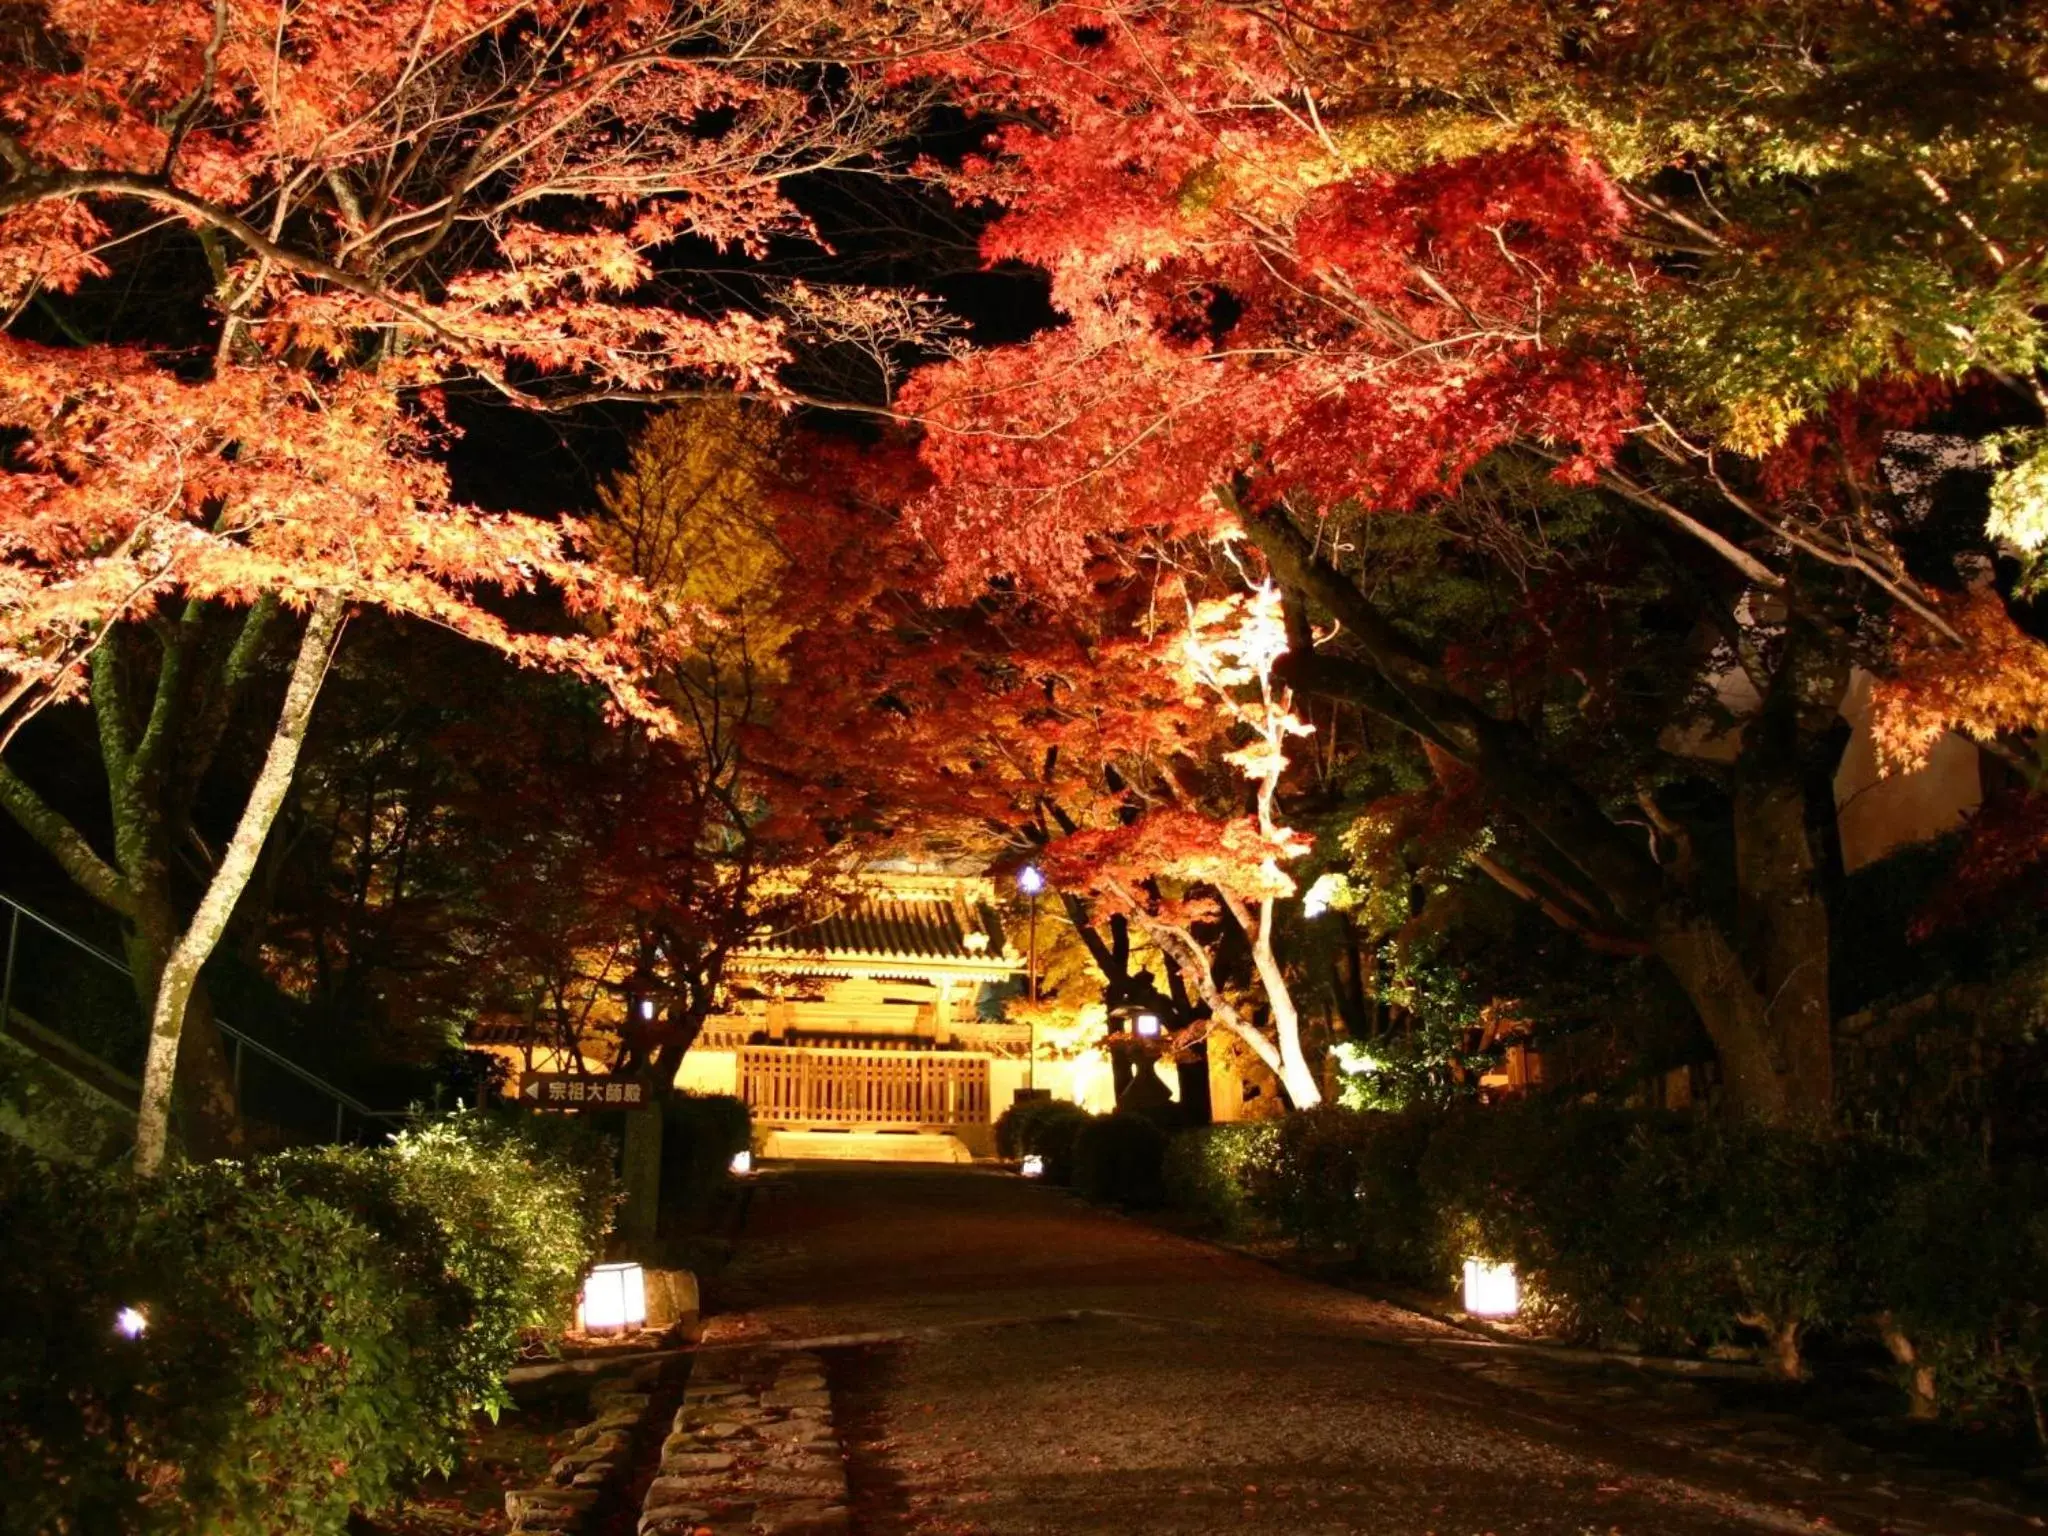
(796, 1086)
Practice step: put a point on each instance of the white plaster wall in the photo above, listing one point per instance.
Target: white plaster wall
(1875, 814)
(1089, 1082)
(1005, 1077)
(709, 1072)
(1878, 814)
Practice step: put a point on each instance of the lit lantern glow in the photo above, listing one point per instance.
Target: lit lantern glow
(1033, 1166)
(742, 1163)
(1491, 1290)
(1147, 1025)
(130, 1323)
(614, 1298)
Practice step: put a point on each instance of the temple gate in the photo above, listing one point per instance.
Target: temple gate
(876, 1018)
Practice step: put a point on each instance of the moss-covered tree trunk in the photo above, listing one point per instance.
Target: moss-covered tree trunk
(640, 1219)
(207, 1113)
(162, 696)
(180, 972)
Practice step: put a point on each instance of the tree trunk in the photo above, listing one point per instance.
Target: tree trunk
(207, 1106)
(1785, 1356)
(1761, 993)
(1924, 1402)
(1782, 911)
(640, 1219)
(180, 971)
(1296, 1076)
(1191, 963)
(208, 1117)
(1710, 973)
(1786, 935)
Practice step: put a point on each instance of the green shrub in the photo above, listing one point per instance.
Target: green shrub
(1118, 1161)
(1209, 1172)
(1953, 1271)
(1056, 1138)
(1395, 1235)
(1771, 1227)
(300, 1362)
(522, 1207)
(1662, 1230)
(1329, 1178)
(700, 1133)
(321, 1324)
(1529, 1184)
(1049, 1128)
(67, 1392)
(1347, 1180)
(1012, 1124)
(1045, 1128)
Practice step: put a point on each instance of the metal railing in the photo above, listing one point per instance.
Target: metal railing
(241, 1045)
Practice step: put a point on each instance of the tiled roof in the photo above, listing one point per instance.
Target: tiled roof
(891, 927)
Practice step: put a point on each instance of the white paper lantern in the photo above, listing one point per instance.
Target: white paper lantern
(614, 1299)
(742, 1163)
(131, 1323)
(1033, 1166)
(1491, 1290)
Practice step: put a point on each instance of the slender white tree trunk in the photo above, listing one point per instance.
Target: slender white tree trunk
(1295, 1072)
(238, 862)
(1284, 1059)
(1275, 721)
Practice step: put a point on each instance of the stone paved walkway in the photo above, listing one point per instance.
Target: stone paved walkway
(1004, 1359)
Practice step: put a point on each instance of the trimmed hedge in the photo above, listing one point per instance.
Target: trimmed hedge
(1346, 1181)
(1014, 1123)
(66, 1397)
(1047, 1128)
(1667, 1231)
(1675, 1231)
(1333, 1180)
(321, 1324)
(1117, 1161)
(1211, 1173)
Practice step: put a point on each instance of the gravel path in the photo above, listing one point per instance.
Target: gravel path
(1004, 1359)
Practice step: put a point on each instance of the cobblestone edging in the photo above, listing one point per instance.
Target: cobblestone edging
(753, 1452)
(599, 1454)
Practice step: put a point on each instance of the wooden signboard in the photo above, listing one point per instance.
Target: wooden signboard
(565, 1090)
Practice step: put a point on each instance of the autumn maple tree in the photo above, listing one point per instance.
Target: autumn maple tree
(1316, 266)
(1652, 308)
(1132, 745)
(363, 206)
(1168, 864)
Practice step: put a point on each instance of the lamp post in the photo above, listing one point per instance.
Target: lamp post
(1031, 881)
(641, 1004)
(640, 1217)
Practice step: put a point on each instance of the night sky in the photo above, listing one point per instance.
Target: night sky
(877, 231)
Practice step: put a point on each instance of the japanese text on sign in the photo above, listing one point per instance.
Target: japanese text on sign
(553, 1090)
